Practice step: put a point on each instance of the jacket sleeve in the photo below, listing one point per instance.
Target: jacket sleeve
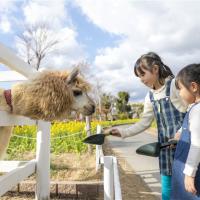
(193, 158)
(143, 124)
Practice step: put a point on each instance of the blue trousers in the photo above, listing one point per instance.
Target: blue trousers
(166, 187)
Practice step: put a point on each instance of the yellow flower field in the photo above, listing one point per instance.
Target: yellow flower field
(65, 137)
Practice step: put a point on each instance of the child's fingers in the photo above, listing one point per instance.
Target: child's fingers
(172, 146)
(177, 135)
(191, 188)
(194, 191)
(115, 132)
(112, 131)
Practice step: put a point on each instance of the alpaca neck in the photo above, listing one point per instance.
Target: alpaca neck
(3, 104)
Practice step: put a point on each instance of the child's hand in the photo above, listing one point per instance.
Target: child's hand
(114, 132)
(177, 136)
(189, 184)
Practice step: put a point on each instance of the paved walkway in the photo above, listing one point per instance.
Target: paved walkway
(145, 166)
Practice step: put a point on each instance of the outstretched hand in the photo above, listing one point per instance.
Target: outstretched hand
(113, 131)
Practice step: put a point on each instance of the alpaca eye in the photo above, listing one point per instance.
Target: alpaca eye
(77, 92)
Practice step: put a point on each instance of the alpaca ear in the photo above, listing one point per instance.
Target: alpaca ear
(72, 76)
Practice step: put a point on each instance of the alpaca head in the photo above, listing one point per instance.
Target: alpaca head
(79, 88)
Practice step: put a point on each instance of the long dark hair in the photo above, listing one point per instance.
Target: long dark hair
(148, 61)
(190, 73)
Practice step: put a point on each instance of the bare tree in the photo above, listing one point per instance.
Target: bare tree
(98, 92)
(38, 41)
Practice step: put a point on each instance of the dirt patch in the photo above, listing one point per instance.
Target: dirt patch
(74, 167)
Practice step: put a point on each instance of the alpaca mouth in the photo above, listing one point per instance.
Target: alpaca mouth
(89, 110)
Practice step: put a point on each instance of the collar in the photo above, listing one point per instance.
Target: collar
(8, 97)
(162, 87)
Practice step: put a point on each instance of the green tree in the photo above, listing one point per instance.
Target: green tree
(122, 102)
(106, 101)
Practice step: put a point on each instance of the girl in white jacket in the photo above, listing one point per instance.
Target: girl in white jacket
(164, 104)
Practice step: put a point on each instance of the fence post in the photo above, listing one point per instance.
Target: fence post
(88, 131)
(43, 161)
(99, 151)
(117, 185)
(108, 178)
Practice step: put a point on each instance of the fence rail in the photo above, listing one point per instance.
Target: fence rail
(11, 76)
(14, 176)
(9, 58)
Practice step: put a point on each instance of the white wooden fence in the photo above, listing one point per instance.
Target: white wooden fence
(16, 171)
(112, 188)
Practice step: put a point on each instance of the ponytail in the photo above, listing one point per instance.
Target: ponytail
(148, 61)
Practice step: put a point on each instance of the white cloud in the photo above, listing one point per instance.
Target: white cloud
(169, 28)
(68, 51)
(5, 25)
(6, 15)
(53, 12)
(7, 5)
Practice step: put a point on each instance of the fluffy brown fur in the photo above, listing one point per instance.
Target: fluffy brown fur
(47, 96)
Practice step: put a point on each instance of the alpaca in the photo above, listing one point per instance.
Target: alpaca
(49, 96)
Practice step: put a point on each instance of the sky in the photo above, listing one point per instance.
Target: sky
(109, 35)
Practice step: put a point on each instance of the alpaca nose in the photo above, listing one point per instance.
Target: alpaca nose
(93, 108)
